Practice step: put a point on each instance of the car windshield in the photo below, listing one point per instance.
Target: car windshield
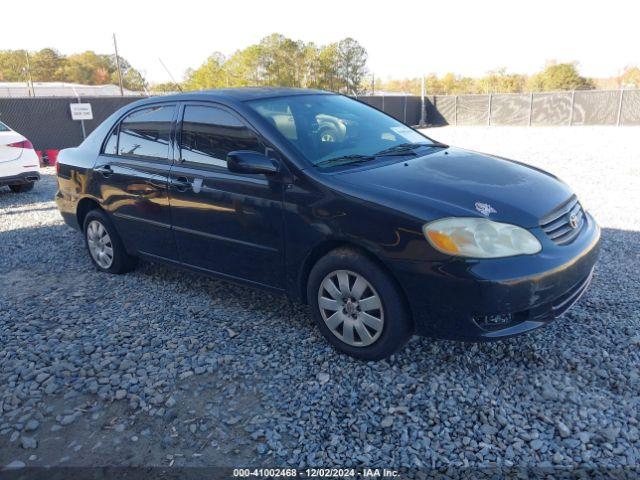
(4, 128)
(332, 130)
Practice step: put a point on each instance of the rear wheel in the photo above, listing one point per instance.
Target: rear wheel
(104, 244)
(357, 305)
(22, 188)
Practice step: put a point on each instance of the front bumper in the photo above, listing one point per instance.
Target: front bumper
(20, 179)
(480, 300)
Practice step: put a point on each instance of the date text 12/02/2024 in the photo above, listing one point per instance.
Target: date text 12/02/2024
(315, 473)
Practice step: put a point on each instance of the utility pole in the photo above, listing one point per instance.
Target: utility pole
(115, 45)
(373, 84)
(32, 91)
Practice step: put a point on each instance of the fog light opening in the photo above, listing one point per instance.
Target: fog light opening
(490, 322)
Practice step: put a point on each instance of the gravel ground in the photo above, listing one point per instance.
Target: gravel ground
(160, 367)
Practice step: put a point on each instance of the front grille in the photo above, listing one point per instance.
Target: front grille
(558, 226)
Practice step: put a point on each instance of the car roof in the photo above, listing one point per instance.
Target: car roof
(242, 94)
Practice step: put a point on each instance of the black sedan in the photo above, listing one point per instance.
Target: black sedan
(383, 231)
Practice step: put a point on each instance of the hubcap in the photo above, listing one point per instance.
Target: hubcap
(100, 246)
(351, 308)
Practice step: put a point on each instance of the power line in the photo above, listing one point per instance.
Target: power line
(169, 73)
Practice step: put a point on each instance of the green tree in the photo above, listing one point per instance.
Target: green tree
(630, 78)
(452, 84)
(132, 79)
(47, 65)
(562, 76)
(433, 85)
(280, 61)
(88, 68)
(165, 87)
(244, 68)
(13, 66)
(406, 85)
(328, 77)
(211, 74)
(499, 81)
(352, 65)
(312, 66)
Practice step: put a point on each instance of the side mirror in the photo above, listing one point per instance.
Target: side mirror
(245, 161)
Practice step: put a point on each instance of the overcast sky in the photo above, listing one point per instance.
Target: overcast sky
(403, 38)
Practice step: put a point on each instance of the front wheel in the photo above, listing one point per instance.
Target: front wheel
(357, 306)
(104, 244)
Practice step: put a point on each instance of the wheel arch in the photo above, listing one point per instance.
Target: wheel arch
(85, 205)
(329, 245)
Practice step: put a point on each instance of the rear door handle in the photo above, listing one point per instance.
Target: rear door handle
(182, 184)
(105, 170)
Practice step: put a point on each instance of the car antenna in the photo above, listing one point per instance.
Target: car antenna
(169, 73)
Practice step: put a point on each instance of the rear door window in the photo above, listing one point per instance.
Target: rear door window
(210, 133)
(146, 133)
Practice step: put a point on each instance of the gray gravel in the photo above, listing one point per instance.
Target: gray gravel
(160, 367)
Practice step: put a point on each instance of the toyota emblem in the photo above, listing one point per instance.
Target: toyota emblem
(573, 221)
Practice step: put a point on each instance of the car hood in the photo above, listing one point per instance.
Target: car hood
(456, 182)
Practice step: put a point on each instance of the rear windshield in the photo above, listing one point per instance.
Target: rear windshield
(323, 127)
(4, 128)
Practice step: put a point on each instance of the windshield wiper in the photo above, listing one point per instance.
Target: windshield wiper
(344, 160)
(397, 150)
(407, 148)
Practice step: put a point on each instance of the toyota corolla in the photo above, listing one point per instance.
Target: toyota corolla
(383, 231)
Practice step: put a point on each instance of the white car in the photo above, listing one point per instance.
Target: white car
(19, 163)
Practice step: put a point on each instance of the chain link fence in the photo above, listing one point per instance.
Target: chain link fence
(584, 107)
(46, 121)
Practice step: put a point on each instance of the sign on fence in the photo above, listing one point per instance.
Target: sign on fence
(81, 111)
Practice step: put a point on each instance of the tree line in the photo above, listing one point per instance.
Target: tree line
(280, 61)
(48, 65)
(554, 77)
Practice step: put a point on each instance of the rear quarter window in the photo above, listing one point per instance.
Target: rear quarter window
(111, 147)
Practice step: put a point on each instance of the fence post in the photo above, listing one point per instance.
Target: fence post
(573, 101)
(455, 109)
(423, 105)
(405, 109)
(530, 108)
(489, 115)
(620, 107)
(84, 131)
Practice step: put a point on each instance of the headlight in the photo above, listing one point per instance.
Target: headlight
(480, 238)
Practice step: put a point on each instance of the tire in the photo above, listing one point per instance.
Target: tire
(342, 322)
(22, 188)
(96, 226)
